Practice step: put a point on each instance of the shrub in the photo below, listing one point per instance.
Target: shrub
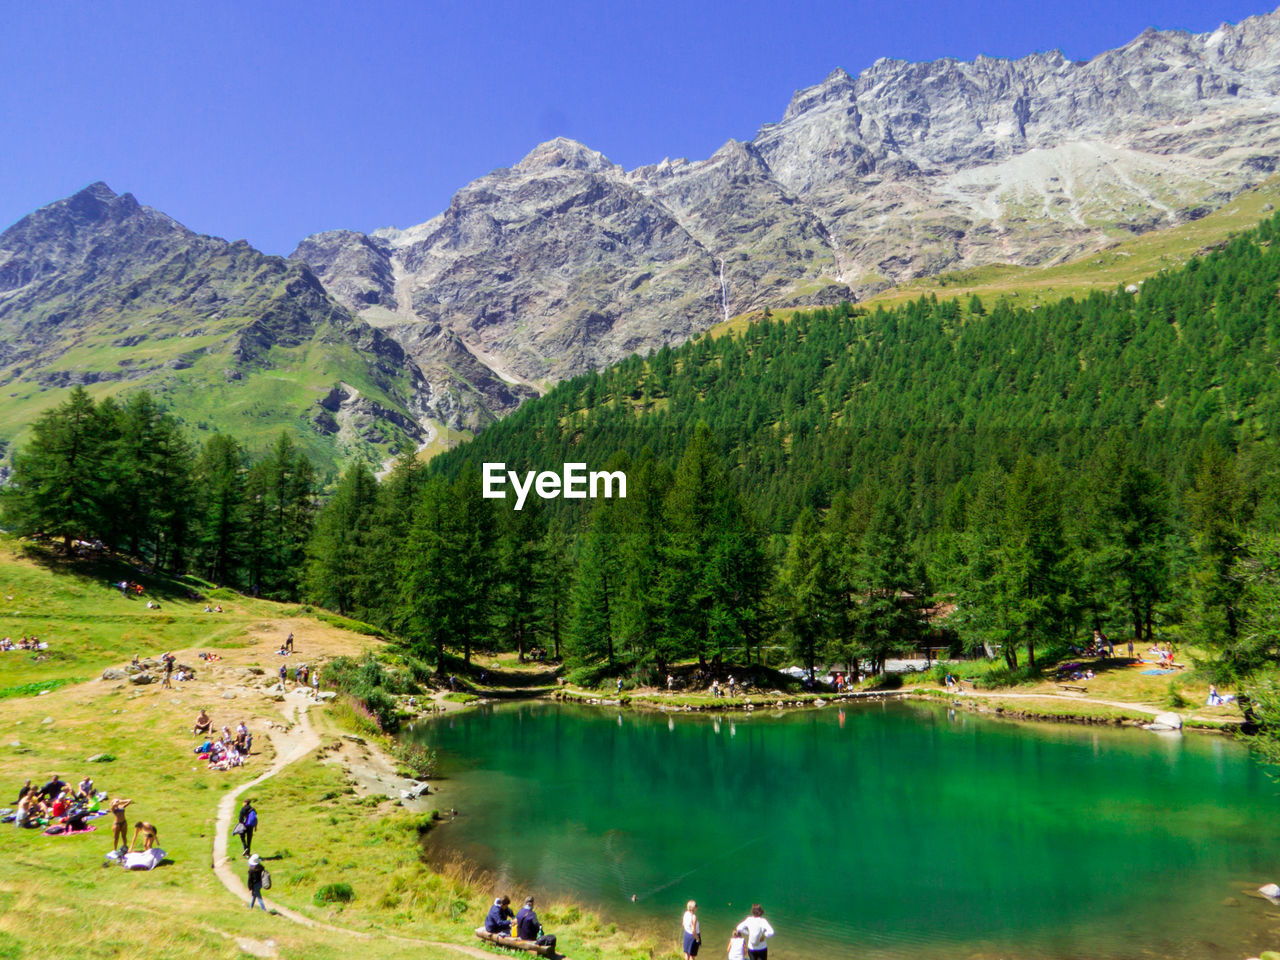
(419, 759)
(334, 893)
(384, 709)
(885, 681)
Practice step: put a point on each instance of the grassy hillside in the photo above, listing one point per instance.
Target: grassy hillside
(100, 291)
(56, 900)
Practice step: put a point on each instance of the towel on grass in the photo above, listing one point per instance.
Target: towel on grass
(1156, 673)
(58, 830)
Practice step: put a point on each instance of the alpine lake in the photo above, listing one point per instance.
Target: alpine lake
(878, 830)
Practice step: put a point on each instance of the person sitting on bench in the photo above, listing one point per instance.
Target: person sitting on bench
(528, 926)
(500, 917)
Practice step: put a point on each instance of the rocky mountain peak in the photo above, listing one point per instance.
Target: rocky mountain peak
(562, 152)
(837, 86)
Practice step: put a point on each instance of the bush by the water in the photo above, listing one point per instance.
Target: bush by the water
(334, 893)
(369, 682)
(420, 760)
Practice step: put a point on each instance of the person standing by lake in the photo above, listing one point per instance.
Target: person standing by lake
(757, 931)
(692, 930)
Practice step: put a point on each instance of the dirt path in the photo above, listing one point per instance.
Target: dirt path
(291, 746)
(1125, 705)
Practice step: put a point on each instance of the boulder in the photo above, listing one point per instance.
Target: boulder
(228, 695)
(1270, 890)
(414, 792)
(1164, 722)
(149, 664)
(47, 720)
(327, 695)
(256, 671)
(99, 758)
(114, 673)
(142, 678)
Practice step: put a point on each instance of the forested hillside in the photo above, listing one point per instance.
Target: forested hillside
(835, 488)
(923, 397)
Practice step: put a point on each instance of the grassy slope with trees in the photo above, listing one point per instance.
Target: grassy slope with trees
(812, 485)
(57, 902)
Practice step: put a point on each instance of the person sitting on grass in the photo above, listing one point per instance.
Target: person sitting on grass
(85, 790)
(149, 837)
(500, 917)
(528, 927)
(203, 724)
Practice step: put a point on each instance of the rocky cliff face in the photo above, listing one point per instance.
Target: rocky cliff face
(566, 261)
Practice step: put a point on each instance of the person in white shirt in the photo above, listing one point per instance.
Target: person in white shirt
(692, 931)
(756, 929)
(737, 946)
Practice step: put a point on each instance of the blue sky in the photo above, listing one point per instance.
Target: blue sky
(269, 121)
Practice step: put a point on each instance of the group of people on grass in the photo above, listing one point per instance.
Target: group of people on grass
(22, 643)
(749, 940)
(228, 750)
(60, 808)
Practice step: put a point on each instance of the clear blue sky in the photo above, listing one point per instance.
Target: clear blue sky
(269, 121)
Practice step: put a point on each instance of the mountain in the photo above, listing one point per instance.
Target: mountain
(918, 401)
(566, 261)
(97, 289)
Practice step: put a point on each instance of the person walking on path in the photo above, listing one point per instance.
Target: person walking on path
(692, 930)
(249, 820)
(288, 643)
(315, 684)
(284, 674)
(757, 931)
(168, 673)
(254, 880)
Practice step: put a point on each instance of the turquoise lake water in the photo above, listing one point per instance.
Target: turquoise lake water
(886, 830)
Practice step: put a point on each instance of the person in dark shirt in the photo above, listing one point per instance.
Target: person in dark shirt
(26, 788)
(249, 820)
(254, 882)
(500, 917)
(54, 787)
(528, 927)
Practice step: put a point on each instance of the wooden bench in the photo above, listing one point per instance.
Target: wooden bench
(1072, 686)
(512, 943)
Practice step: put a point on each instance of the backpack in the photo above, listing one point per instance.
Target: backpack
(266, 880)
(251, 820)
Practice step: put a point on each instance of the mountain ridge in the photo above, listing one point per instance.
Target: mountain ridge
(566, 261)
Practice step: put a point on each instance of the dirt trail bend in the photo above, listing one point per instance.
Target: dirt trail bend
(292, 746)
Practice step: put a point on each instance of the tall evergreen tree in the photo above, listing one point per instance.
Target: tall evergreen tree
(60, 481)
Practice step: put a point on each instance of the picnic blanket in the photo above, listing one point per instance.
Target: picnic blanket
(58, 830)
(1156, 673)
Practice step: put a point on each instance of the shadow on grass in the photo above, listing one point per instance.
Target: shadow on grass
(106, 571)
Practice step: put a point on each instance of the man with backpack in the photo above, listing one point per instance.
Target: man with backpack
(245, 826)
